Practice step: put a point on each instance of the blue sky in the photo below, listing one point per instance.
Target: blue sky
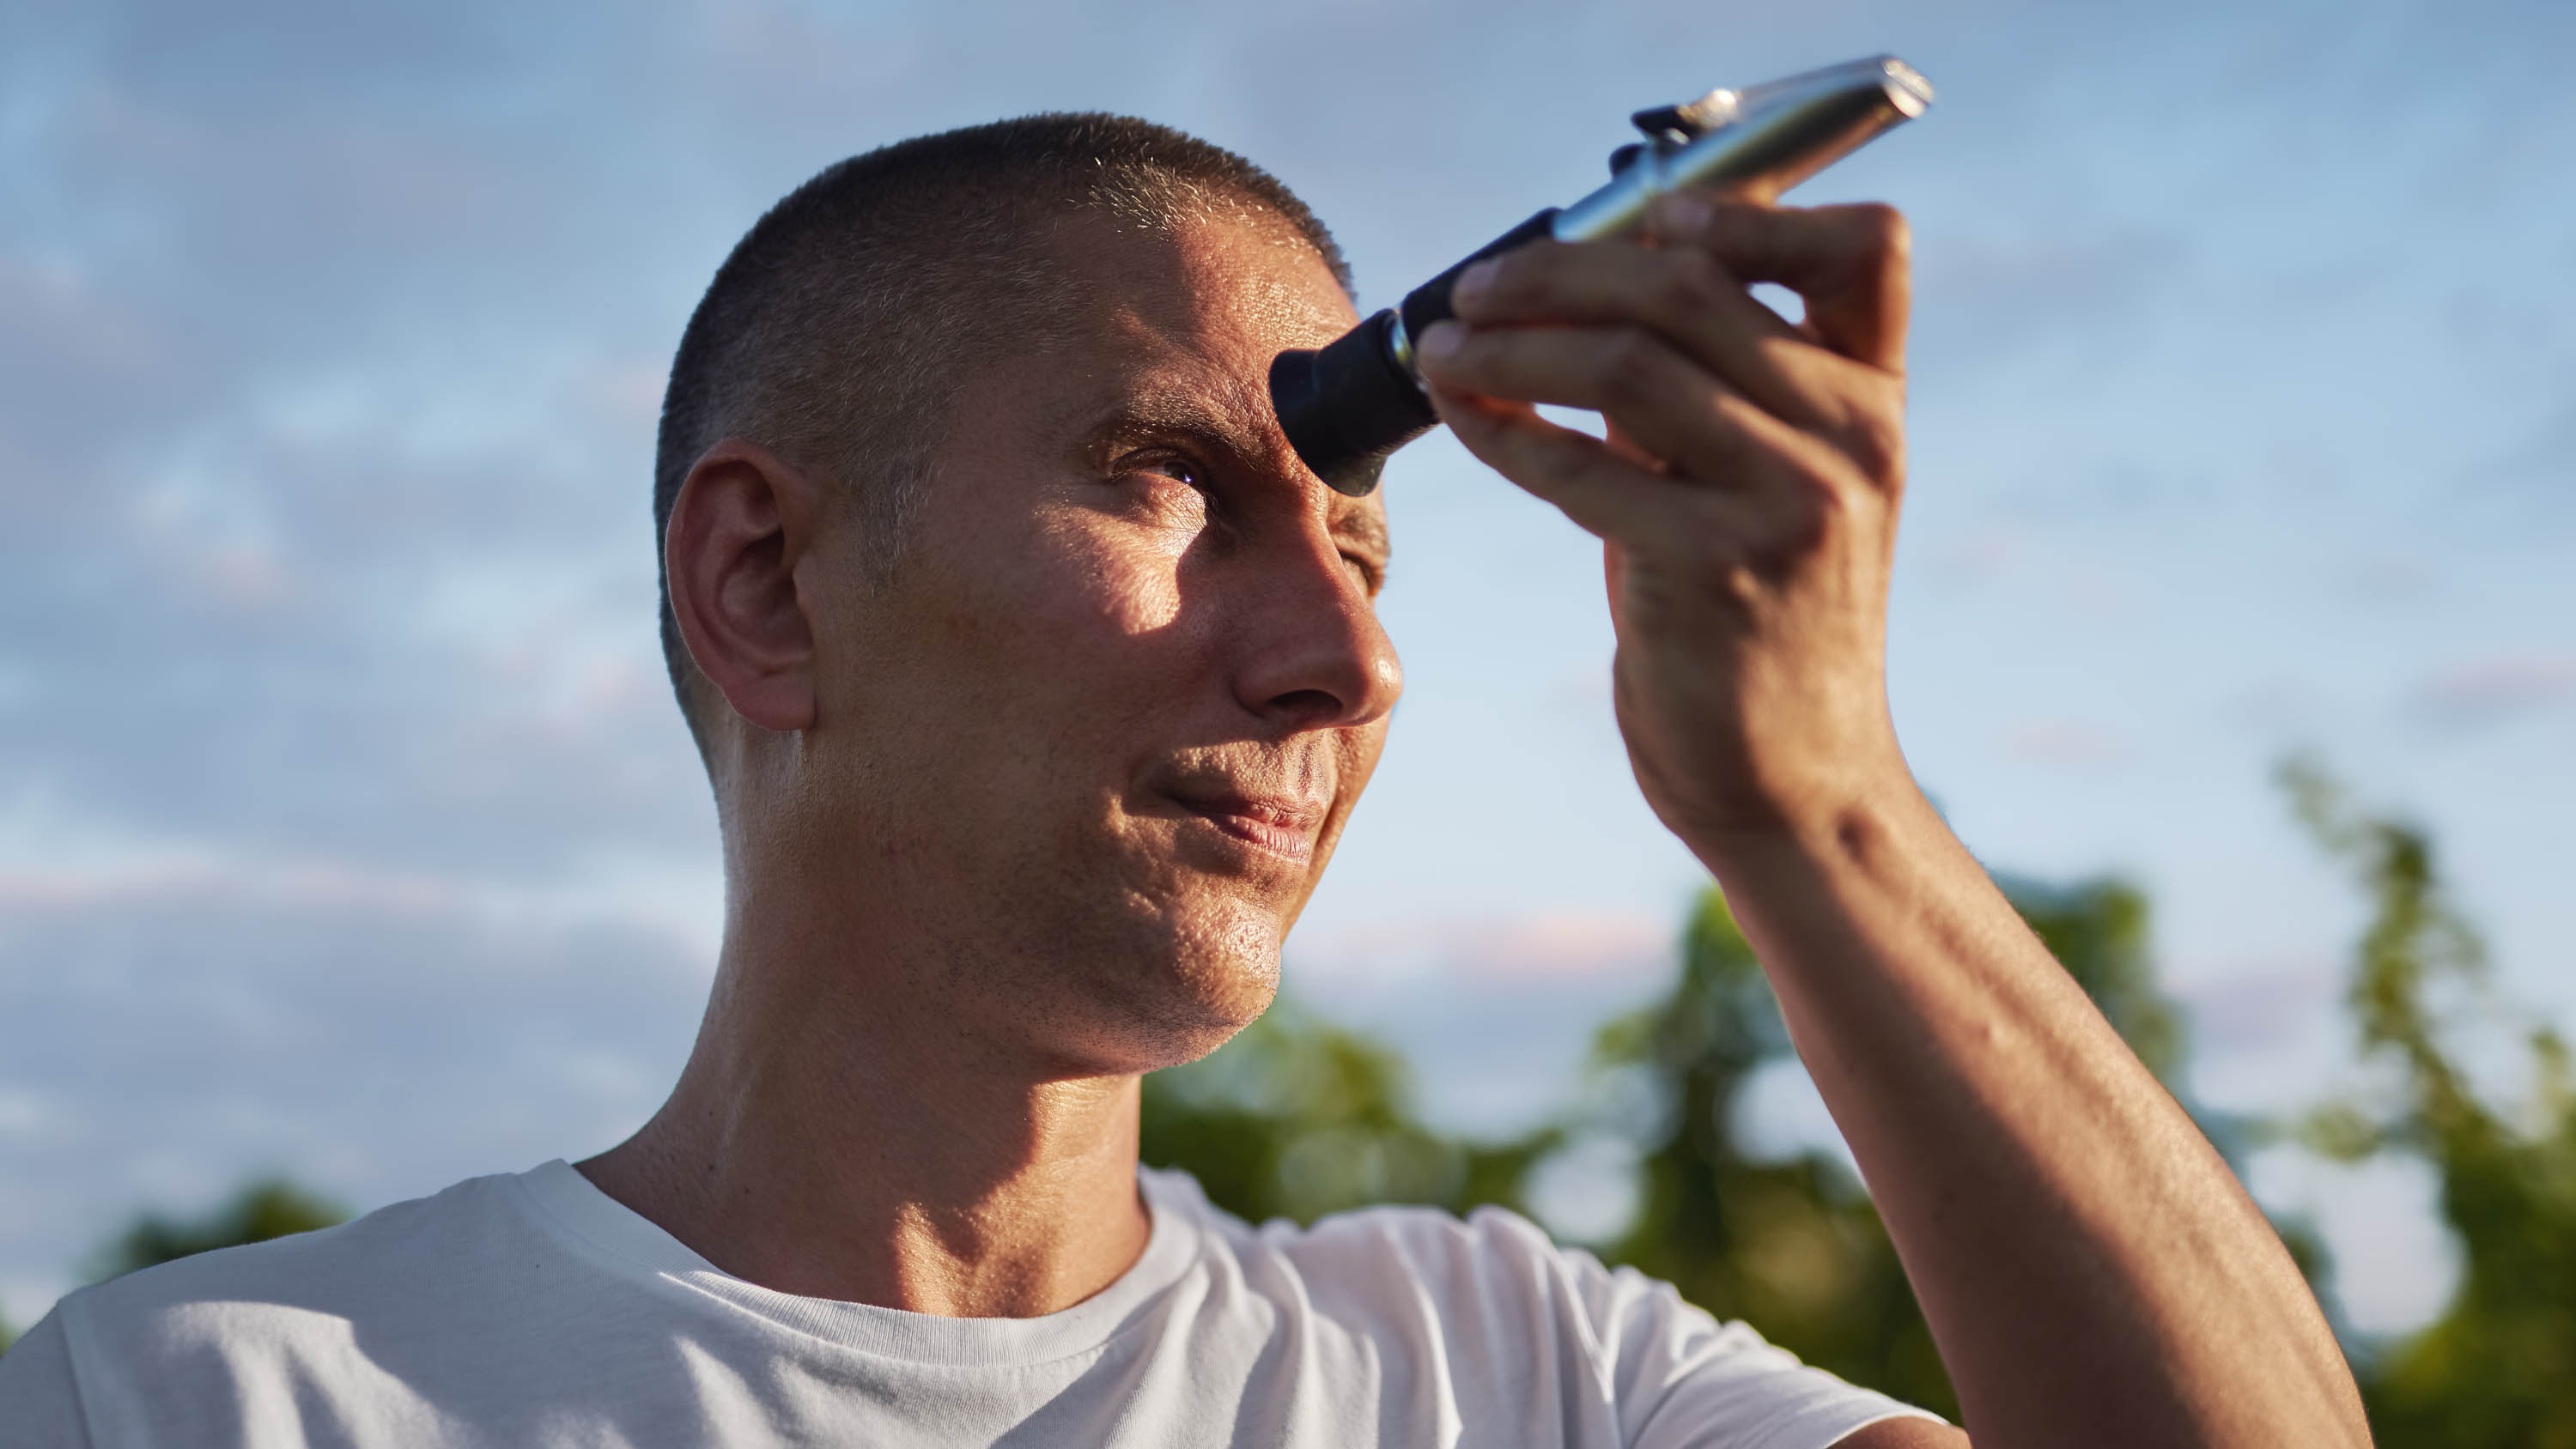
(346, 826)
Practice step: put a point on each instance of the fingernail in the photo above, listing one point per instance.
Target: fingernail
(1442, 338)
(1683, 212)
(1471, 283)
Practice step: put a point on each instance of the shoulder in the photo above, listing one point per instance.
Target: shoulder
(39, 1399)
(1422, 1245)
(340, 1272)
(1490, 1260)
(208, 1338)
(1533, 1326)
(1491, 1284)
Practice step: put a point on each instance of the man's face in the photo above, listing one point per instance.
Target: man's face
(1096, 739)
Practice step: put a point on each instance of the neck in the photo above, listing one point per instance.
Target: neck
(829, 1142)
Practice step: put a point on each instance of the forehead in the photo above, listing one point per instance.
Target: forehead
(1239, 277)
(1179, 323)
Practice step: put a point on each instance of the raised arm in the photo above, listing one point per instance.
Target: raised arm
(2092, 1272)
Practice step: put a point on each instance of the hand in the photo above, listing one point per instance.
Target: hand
(2091, 1272)
(1746, 498)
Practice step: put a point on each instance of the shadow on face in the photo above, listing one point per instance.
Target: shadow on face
(1077, 764)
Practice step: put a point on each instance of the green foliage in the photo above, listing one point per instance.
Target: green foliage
(263, 1210)
(2498, 1367)
(1296, 1118)
(1794, 1247)
(8, 1335)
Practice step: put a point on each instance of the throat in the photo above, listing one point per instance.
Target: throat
(979, 1201)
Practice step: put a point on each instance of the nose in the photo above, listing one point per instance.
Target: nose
(1313, 655)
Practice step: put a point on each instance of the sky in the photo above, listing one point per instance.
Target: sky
(347, 828)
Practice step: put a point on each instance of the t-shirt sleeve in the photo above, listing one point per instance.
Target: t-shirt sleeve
(39, 1401)
(1683, 1380)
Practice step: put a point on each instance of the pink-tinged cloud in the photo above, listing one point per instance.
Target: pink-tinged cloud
(2262, 1008)
(1555, 947)
(201, 877)
(2484, 691)
(176, 881)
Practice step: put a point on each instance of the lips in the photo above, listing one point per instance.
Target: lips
(1278, 824)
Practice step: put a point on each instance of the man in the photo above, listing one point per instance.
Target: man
(1036, 679)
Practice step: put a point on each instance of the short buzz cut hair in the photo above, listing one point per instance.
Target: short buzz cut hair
(847, 317)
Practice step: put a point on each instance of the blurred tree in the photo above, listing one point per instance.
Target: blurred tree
(1793, 1246)
(2498, 1367)
(263, 1210)
(1297, 1118)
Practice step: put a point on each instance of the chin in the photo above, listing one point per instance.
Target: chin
(1227, 984)
(1184, 995)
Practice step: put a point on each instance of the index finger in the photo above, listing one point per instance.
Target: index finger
(1850, 263)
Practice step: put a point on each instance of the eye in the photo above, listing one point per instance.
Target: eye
(1370, 573)
(1163, 488)
(1149, 467)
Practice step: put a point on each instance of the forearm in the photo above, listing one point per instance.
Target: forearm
(2092, 1272)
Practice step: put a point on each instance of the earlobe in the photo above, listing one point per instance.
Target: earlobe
(741, 522)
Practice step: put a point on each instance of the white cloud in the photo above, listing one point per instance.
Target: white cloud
(2067, 744)
(374, 1036)
(367, 846)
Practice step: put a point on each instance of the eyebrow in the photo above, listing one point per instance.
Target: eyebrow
(1364, 526)
(1173, 414)
(1166, 415)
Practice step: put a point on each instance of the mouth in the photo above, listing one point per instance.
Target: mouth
(1276, 824)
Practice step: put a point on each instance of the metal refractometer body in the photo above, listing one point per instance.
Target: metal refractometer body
(1348, 405)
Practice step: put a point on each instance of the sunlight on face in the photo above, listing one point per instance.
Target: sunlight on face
(1103, 727)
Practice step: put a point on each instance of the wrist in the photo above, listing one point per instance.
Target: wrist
(1854, 824)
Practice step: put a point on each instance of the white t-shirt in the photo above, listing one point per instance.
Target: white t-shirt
(535, 1310)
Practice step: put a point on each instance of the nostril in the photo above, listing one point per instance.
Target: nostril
(1307, 704)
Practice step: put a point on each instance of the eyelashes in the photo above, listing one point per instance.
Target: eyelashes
(1190, 499)
(1178, 467)
(1169, 487)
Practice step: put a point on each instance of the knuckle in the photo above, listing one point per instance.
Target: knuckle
(1811, 503)
(1629, 363)
(1689, 281)
(1799, 503)
(1883, 230)
(1737, 220)
(1524, 274)
(1507, 282)
(1742, 586)
(1864, 421)
(1886, 443)
(1804, 516)
(1876, 446)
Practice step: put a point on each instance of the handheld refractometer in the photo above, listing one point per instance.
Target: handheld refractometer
(1348, 405)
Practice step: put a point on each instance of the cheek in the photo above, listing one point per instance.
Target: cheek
(1055, 634)
(1113, 588)
(1136, 597)
(1358, 752)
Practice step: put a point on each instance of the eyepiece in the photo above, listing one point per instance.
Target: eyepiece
(1347, 405)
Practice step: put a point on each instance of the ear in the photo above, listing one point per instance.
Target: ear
(742, 522)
